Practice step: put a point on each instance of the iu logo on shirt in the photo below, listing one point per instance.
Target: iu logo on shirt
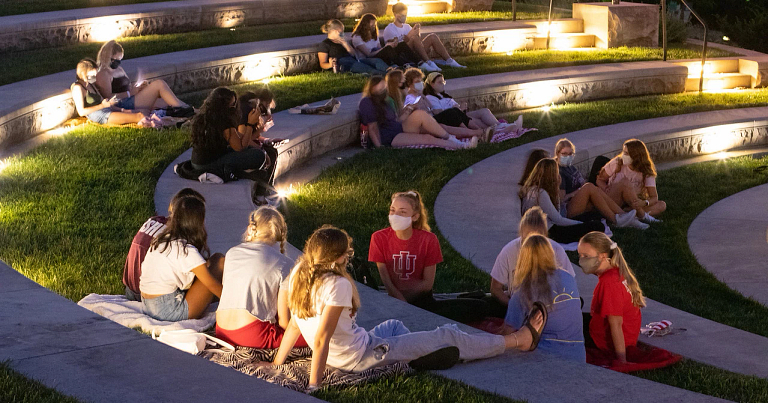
(405, 264)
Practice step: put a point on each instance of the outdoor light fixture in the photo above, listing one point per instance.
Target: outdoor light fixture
(540, 93)
(726, 39)
(54, 111)
(4, 164)
(719, 139)
(104, 30)
(285, 193)
(260, 69)
(507, 42)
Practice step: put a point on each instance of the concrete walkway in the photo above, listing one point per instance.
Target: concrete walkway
(515, 375)
(729, 240)
(480, 233)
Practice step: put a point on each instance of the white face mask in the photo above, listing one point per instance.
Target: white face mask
(91, 79)
(626, 159)
(566, 161)
(400, 223)
(419, 86)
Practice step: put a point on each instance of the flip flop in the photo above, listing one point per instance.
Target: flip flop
(535, 335)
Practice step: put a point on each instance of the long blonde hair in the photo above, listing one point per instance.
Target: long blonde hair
(602, 244)
(534, 221)
(266, 225)
(323, 248)
(414, 199)
(535, 263)
(109, 49)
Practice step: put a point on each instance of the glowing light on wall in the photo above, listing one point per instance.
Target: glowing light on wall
(694, 70)
(507, 42)
(260, 69)
(54, 111)
(105, 30)
(714, 85)
(719, 138)
(540, 94)
(562, 42)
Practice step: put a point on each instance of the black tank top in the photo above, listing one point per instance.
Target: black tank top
(91, 98)
(120, 84)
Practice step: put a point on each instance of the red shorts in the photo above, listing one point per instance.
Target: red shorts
(257, 335)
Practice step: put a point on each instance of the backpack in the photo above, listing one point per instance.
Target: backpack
(187, 171)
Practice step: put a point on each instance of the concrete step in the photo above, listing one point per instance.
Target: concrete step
(729, 65)
(559, 26)
(424, 7)
(719, 81)
(564, 41)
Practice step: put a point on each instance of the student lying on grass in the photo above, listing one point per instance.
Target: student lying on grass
(142, 242)
(253, 311)
(324, 300)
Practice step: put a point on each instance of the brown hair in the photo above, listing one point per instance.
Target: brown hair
(187, 225)
(413, 74)
(393, 87)
(109, 49)
(545, 175)
(536, 155)
(603, 244)
(326, 245)
(641, 159)
(363, 29)
(186, 192)
(535, 263)
(417, 203)
(266, 225)
(534, 221)
(398, 7)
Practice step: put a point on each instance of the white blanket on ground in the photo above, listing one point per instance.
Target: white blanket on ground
(131, 314)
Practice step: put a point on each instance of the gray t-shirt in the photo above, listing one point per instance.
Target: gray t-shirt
(253, 274)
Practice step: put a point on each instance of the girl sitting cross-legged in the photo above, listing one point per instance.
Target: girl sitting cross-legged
(253, 311)
(324, 301)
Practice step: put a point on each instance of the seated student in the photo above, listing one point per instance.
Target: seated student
(577, 196)
(542, 189)
(630, 180)
(452, 123)
(617, 299)
(447, 111)
(90, 103)
(365, 39)
(112, 81)
(534, 221)
(218, 145)
(143, 240)
(534, 156)
(177, 281)
(263, 100)
(536, 278)
(407, 254)
(335, 51)
(324, 302)
(253, 310)
(411, 127)
(398, 32)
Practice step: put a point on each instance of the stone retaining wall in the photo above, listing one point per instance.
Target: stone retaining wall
(51, 32)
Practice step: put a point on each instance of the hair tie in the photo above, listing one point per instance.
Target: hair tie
(412, 193)
(614, 245)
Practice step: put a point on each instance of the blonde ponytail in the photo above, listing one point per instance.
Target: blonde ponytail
(603, 244)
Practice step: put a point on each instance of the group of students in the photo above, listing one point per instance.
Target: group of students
(103, 92)
(623, 193)
(266, 300)
(405, 109)
(370, 52)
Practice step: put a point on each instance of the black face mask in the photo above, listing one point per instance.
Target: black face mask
(402, 86)
(115, 64)
(380, 95)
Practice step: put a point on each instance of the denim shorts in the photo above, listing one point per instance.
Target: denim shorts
(127, 103)
(101, 116)
(171, 307)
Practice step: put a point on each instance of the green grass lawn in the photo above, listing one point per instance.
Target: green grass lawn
(15, 388)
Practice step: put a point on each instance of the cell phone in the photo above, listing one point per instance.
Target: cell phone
(417, 99)
(279, 143)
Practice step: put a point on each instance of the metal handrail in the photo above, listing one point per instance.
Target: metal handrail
(704, 49)
(549, 22)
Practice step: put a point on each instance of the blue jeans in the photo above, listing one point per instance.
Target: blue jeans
(127, 103)
(369, 65)
(100, 116)
(171, 307)
(392, 342)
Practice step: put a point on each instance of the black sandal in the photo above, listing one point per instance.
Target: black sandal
(535, 335)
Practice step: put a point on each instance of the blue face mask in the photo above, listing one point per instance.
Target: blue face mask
(566, 161)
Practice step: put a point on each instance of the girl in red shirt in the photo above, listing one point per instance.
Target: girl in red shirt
(407, 254)
(617, 299)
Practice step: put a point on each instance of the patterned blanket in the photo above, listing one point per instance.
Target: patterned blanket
(294, 374)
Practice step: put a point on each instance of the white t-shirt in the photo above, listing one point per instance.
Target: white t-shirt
(392, 31)
(372, 45)
(442, 103)
(507, 260)
(349, 341)
(254, 273)
(164, 272)
(635, 178)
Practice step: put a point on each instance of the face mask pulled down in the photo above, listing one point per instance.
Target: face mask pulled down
(399, 223)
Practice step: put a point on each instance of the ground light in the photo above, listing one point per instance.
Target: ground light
(285, 193)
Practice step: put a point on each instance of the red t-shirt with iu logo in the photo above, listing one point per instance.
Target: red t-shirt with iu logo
(612, 298)
(405, 259)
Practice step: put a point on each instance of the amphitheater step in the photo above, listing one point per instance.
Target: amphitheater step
(559, 26)
(425, 7)
(564, 41)
(719, 81)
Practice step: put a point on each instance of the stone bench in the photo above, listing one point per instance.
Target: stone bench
(479, 234)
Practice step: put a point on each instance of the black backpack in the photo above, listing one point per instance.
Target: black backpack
(187, 171)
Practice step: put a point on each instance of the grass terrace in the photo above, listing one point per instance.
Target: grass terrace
(15, 388)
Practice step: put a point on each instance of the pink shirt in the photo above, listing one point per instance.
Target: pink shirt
(635, 178)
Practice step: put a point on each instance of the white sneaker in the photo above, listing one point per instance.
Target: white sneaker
(208, 177)
(453, 63)
(427, 67)
(519, 122)
(434, 66)
(471, 144)
(650, 219)
(635, 223)
(624, 220)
